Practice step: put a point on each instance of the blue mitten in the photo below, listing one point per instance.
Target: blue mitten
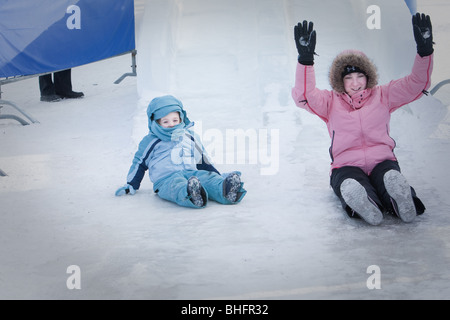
(128, 189)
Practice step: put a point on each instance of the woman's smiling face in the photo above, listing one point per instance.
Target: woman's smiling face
(354, 83)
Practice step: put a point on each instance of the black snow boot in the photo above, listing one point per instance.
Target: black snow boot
(194, 190)
(232, 186)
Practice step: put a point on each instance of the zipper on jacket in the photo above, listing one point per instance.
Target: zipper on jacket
(363, 140)
(331, 148)
(393, 140)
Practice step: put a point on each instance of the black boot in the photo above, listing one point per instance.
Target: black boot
(194, 190)
(63, 85)
(71, 95)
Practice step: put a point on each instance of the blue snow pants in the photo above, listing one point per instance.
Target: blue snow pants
(174, 187)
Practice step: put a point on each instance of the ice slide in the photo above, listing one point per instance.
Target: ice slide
(242, 48)
(238, 57)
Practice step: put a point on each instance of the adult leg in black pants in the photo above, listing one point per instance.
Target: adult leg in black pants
(59, 88)
(385, 189)
(395, 192)
(358, 196)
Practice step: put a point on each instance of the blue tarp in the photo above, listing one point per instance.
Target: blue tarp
(412, 5)
(39, 36)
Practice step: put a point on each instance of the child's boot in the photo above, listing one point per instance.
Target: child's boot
(194, 190)
(232, 185)
(400, 192)
(356, 198)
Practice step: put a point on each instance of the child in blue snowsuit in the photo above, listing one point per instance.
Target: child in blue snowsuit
(176, 160)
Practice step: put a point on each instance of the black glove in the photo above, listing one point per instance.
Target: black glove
(305, 40)
(423, 34)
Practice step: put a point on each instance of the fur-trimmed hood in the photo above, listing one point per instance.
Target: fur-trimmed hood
(351, 58)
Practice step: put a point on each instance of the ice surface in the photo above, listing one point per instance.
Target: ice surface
(232, 63)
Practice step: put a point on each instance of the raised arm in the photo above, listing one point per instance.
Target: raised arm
(305, 93)
(412, 87)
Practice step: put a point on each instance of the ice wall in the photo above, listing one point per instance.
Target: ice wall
(215, 48)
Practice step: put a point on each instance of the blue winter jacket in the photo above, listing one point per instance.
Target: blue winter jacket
(163, 157)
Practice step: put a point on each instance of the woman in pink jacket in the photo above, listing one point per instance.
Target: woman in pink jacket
(365, 174)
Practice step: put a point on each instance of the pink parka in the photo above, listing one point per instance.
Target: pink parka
(359, 125)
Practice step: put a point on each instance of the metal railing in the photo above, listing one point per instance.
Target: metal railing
(439, 85)
(19, 78)
(29, 118)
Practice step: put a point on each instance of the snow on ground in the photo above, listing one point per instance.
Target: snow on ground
(232, 63)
